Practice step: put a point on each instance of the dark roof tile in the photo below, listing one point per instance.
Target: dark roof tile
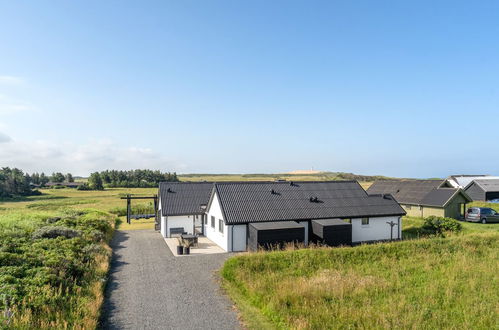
(245, 202)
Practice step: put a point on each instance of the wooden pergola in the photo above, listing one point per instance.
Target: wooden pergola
(130, 216)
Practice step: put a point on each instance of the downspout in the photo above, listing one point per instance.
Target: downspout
(398, 228)
(232, 238)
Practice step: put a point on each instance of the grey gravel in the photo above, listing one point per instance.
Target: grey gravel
(149, 288)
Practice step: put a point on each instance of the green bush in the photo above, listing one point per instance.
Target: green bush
(55, 231)
(440, 225)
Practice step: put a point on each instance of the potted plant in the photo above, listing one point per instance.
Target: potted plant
(187, 246)
(180, 246)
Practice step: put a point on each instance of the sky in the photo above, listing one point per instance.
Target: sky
(396, 88)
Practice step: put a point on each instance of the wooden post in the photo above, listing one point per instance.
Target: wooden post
(156, 220)
(128, 209)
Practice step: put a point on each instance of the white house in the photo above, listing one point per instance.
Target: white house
(234, 206)
(182, 207)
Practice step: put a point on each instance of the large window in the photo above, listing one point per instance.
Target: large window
(365, 221)
(212, 222)
(221, 226)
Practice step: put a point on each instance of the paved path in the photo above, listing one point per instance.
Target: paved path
(149, 288)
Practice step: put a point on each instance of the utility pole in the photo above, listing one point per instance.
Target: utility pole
(392, 224)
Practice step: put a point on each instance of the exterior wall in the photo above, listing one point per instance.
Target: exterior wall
(305, 224)
(412, 210)
(184, 221)
(437, 211)
(162, 228)
(239, 238)
(452, 210)
(475, 192)
(221, 239)
(376, 230)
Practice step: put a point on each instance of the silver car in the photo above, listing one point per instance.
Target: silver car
(482, 214)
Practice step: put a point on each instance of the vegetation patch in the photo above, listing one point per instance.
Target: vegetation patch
(429, 283)
(54, 205)
(52, 267)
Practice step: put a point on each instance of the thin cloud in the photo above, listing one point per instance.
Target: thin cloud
(95, 155)
(11, 80)
(10, 106)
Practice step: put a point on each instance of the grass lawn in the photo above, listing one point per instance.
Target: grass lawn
(433, 283)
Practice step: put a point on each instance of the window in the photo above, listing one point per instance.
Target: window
(212, 222)
(221, 226)
(365, 221)
(408, 207)
(205, 220)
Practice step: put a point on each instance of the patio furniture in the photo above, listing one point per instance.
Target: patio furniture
(192, 239)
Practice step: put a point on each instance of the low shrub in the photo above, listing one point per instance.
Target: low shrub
(50, 264)
(440, 225)
(84, 186)
(55, 231)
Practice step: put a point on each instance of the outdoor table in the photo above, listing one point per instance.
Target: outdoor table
(191, 238)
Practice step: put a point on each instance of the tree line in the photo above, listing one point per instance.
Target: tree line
(131, 179)
(15, 182)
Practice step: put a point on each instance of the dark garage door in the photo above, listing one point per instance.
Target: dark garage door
(274, 234)
(333, 232)
(491, 195)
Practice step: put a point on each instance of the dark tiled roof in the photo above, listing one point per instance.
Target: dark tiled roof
(417, 192)
(488, 185)
(246, 202)
(184, 198)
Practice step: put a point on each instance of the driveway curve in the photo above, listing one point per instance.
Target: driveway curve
(149, 288)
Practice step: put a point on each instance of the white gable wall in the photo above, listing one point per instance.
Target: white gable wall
(221, 239)
(378, 229)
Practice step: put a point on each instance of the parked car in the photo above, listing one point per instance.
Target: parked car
(482, 214)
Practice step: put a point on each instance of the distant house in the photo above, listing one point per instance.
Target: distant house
(240, 216)
(462, 181)
(422, 198)
(483, 190)
(63, 184)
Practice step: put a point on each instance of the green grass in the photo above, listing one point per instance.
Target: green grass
(434, 283)
(413, 228)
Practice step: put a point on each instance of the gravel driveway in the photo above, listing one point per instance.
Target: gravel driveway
(149, 288)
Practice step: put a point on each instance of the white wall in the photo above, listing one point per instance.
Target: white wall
(377, 229)
(239, 238)
(184, 221)
(221, 239)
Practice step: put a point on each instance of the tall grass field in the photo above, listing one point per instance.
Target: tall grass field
(54, 255)
(432, 283)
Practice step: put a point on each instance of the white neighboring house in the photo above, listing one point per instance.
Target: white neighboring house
(182, 207)
(233, 206)
(462, 181)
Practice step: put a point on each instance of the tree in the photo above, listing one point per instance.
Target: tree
(43, 179)
(69, 178)
(35, 178)
(13, 182)
(57, 177)
(95, 181)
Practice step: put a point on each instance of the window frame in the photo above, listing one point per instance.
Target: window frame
(212, 222)
(220, 226)
(362, 221)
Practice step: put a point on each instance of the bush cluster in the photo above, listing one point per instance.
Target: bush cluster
(47, 272)
(440, 225)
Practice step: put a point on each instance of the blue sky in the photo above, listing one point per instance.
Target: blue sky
(397, 88)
